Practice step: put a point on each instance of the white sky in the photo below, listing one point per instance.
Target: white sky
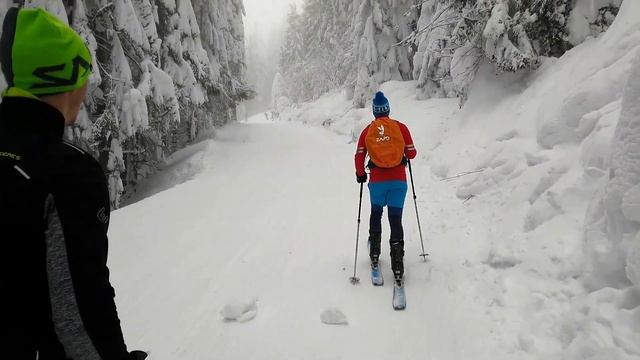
(265, 15)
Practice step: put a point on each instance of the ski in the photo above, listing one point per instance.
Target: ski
(399, 297)
(376, 275)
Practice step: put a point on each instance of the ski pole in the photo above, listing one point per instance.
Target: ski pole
(354, 279)
(415, 202)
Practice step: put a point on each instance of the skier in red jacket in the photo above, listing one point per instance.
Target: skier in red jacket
(388, 143)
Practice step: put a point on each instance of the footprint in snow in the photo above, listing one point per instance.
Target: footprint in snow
(334, 316)
(239, 311)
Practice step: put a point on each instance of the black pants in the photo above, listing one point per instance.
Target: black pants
(396, 240)
(395, 222)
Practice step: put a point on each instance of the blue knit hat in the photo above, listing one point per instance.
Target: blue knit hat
(381, 105)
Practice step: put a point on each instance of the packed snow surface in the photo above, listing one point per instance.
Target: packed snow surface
(272, 215)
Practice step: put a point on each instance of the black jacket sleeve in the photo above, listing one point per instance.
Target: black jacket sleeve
(82, 201)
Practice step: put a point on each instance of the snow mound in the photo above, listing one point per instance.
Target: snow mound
(240, 311)
(333, 316)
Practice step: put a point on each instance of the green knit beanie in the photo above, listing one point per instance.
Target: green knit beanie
(41, 54)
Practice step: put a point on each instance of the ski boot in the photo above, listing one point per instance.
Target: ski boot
(374, 248)
(397, 260)
(374, 255)
(397, 265)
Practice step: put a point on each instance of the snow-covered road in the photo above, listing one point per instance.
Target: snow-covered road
(272, 216)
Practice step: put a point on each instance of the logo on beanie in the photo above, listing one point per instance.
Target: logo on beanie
(52, 81)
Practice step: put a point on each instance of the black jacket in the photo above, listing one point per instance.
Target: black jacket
(56, 301)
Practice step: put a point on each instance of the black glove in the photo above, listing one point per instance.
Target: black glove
(405, 161)
(138, 355)
(361, 178)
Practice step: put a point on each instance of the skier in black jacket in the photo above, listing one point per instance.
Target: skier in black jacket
(56, 301)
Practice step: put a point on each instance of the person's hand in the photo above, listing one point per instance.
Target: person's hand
(138, 355)
(361, 178)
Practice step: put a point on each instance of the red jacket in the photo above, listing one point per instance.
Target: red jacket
(382, 174)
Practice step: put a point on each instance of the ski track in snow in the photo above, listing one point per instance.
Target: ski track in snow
(272, 215)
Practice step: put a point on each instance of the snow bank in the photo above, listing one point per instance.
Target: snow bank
(584, 88)
(335, 113)
(607, 321)
(561, 194)
(613, 218)
(332, 111)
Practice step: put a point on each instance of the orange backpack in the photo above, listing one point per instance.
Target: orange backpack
(385, 143)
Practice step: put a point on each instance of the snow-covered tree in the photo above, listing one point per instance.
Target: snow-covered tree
(316, 53)
(222, 33)
(56, 7)
(293, 57)
(180, 34)
(325, 27)
(263, 56)
(280, 100)
(378, 27)
(549, 31)
(432, 60)
(159, 81)
(455, 36)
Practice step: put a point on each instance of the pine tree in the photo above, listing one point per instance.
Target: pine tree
(549, 31)
(435, 49)
(155, 81)
(378, 28)
(280, 100)
(222, 32)
(455, 36)
(177, 32)
(263, 56)
(326, 31)
(293, 56)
